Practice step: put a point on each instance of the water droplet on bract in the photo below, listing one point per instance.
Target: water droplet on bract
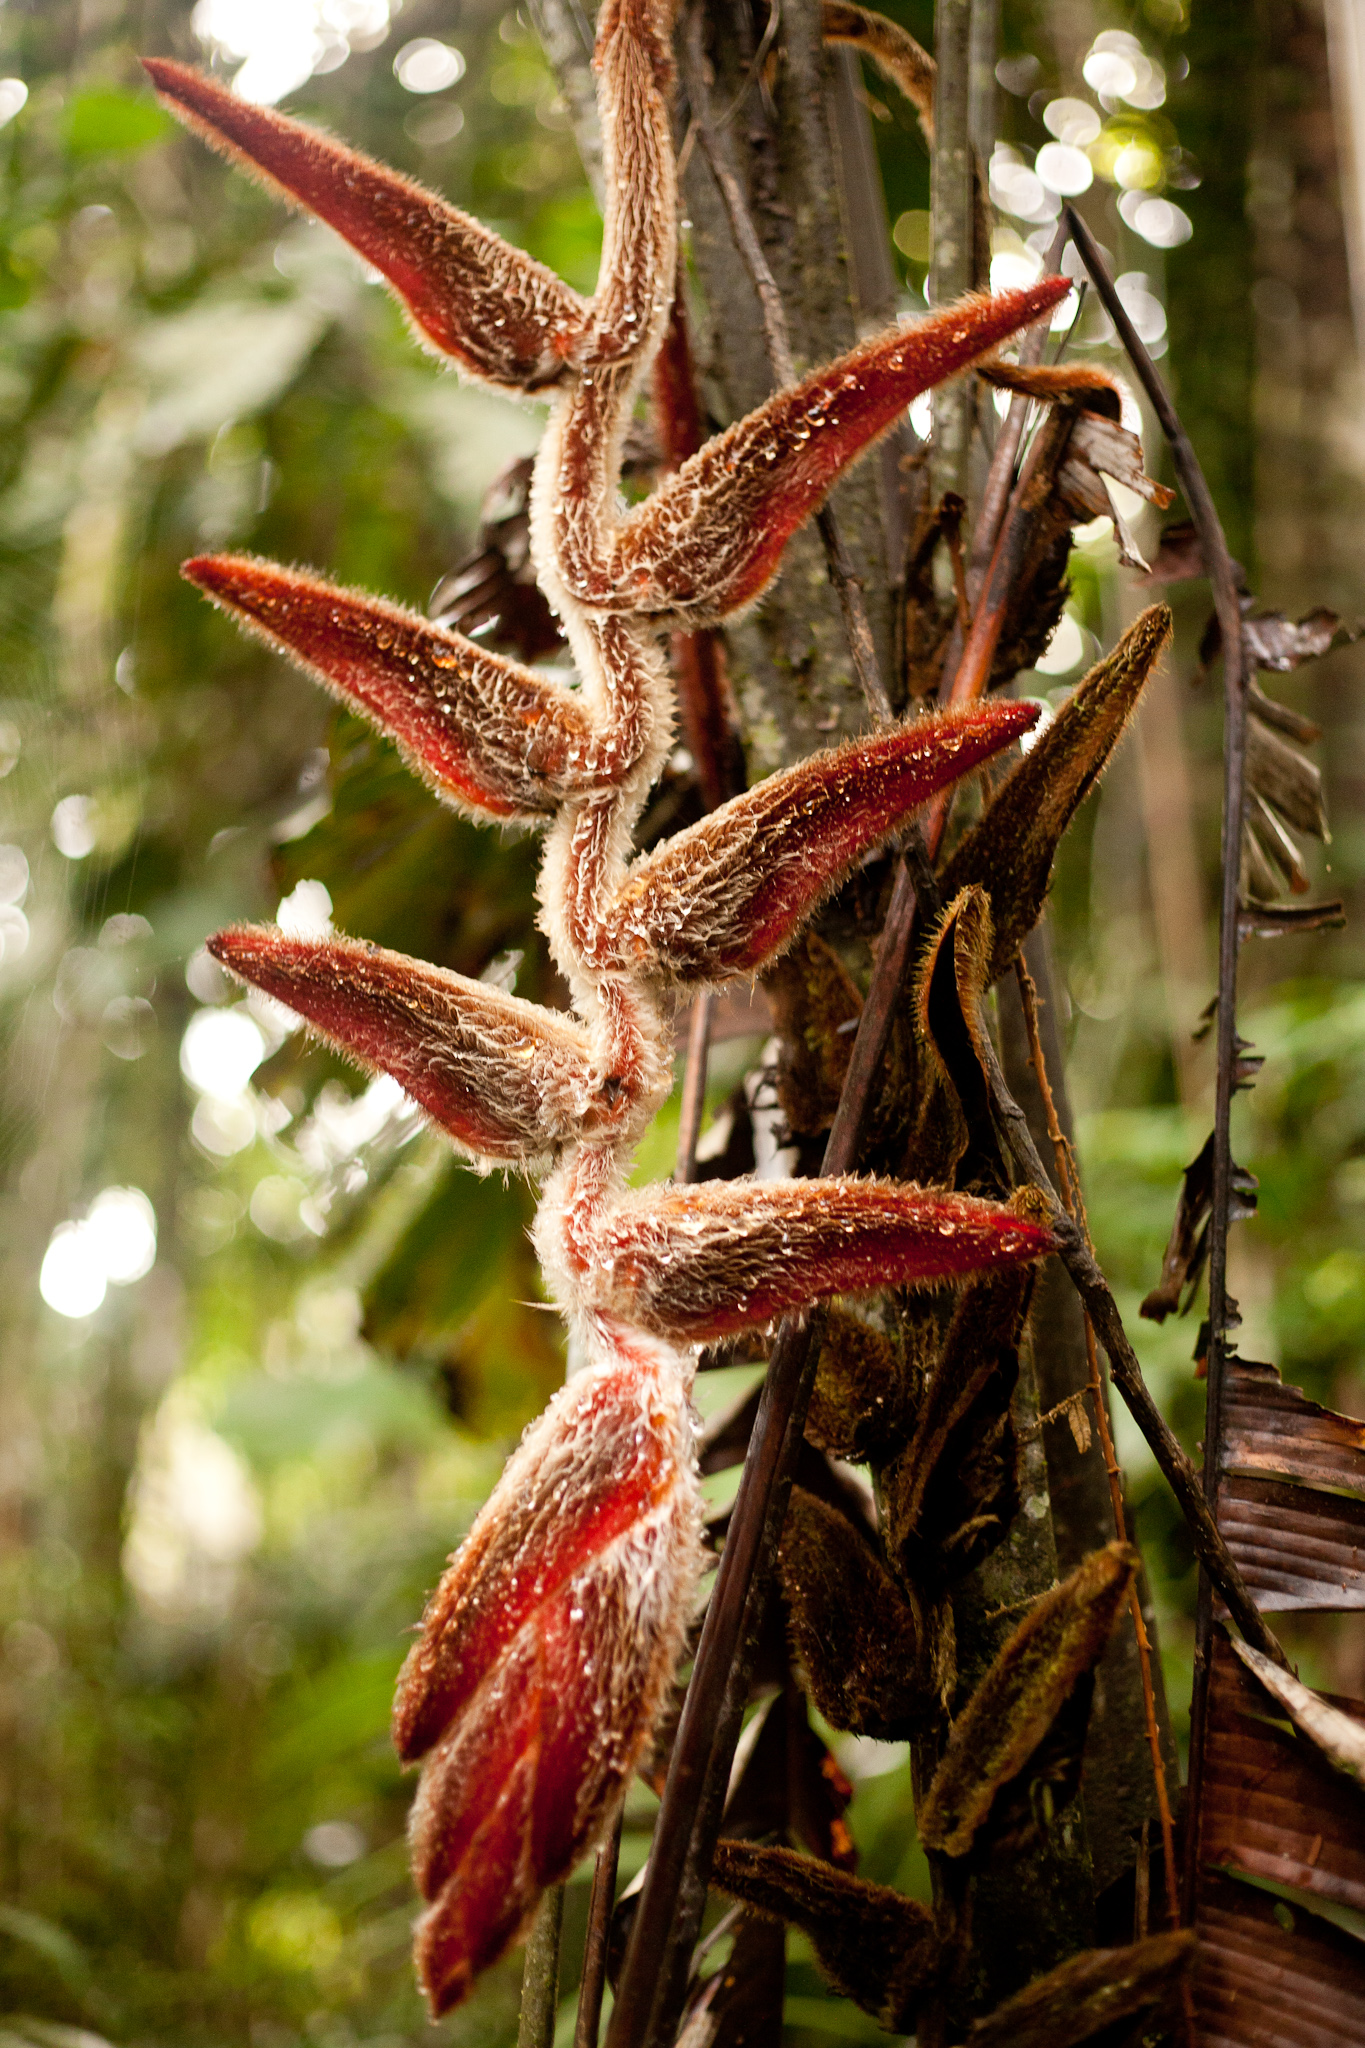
(384, 637)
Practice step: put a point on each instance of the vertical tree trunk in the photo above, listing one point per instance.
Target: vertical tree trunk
(789, 661)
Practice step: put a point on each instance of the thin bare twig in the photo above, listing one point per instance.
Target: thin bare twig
(600, 1906)
(1069, 1184)
(1074, 1251)
(1222, 1314)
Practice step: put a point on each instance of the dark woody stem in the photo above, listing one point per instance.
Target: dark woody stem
(540, 1980)
(1218, 564)
(1090, 1283)
(1068, 1187)
(594, 1977)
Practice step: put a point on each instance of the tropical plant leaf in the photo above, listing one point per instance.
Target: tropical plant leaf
(1340, 1738)
(1292, 1500)
(1275, 1810)
(1020, 1697)
(866, 1387)
(953, 1493)
(874, 1945)
(859, 1642)
(1088, 1993)
(1010, 849)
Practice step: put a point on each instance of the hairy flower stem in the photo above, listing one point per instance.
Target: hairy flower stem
(1218, 563)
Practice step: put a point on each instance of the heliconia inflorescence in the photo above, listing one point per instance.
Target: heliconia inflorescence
(551, 1641)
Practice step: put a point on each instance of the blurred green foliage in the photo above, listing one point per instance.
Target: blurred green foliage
(224, 1493)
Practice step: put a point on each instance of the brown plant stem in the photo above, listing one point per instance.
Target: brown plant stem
(1222, 1315)
(995, 497)
(540, 1980)
(1069, 1184)
(594, 1978)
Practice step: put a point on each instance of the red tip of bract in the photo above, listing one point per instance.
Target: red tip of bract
(496, 738)
(544, 1656)
(698, 1264)
(748, 490)
(723, 897)
(501, 315)
(507, 1079)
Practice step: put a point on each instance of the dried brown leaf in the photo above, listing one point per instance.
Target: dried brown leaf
(1180, 556)
(788, 1784)
(1279, 847)
(1292, 1501)
(859, 1642)
(1101, 449)
(1187, 1247)
(1258, 881)
(1275, 1812)
(1279, 644)
(1287, 780)
(874, 1945)
(863, 1405)
(1020, 1697)
(1258, 920)
(1087, 1993)
(1340, 1738)
(1270, 712)
(816, 1006)
(1272, 1429)
(954, 1099)
(1269, 1977)
(1010, 850)
(493, 592)
(954, 1492)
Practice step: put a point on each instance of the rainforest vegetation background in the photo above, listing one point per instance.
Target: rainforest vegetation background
(282, 1344)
